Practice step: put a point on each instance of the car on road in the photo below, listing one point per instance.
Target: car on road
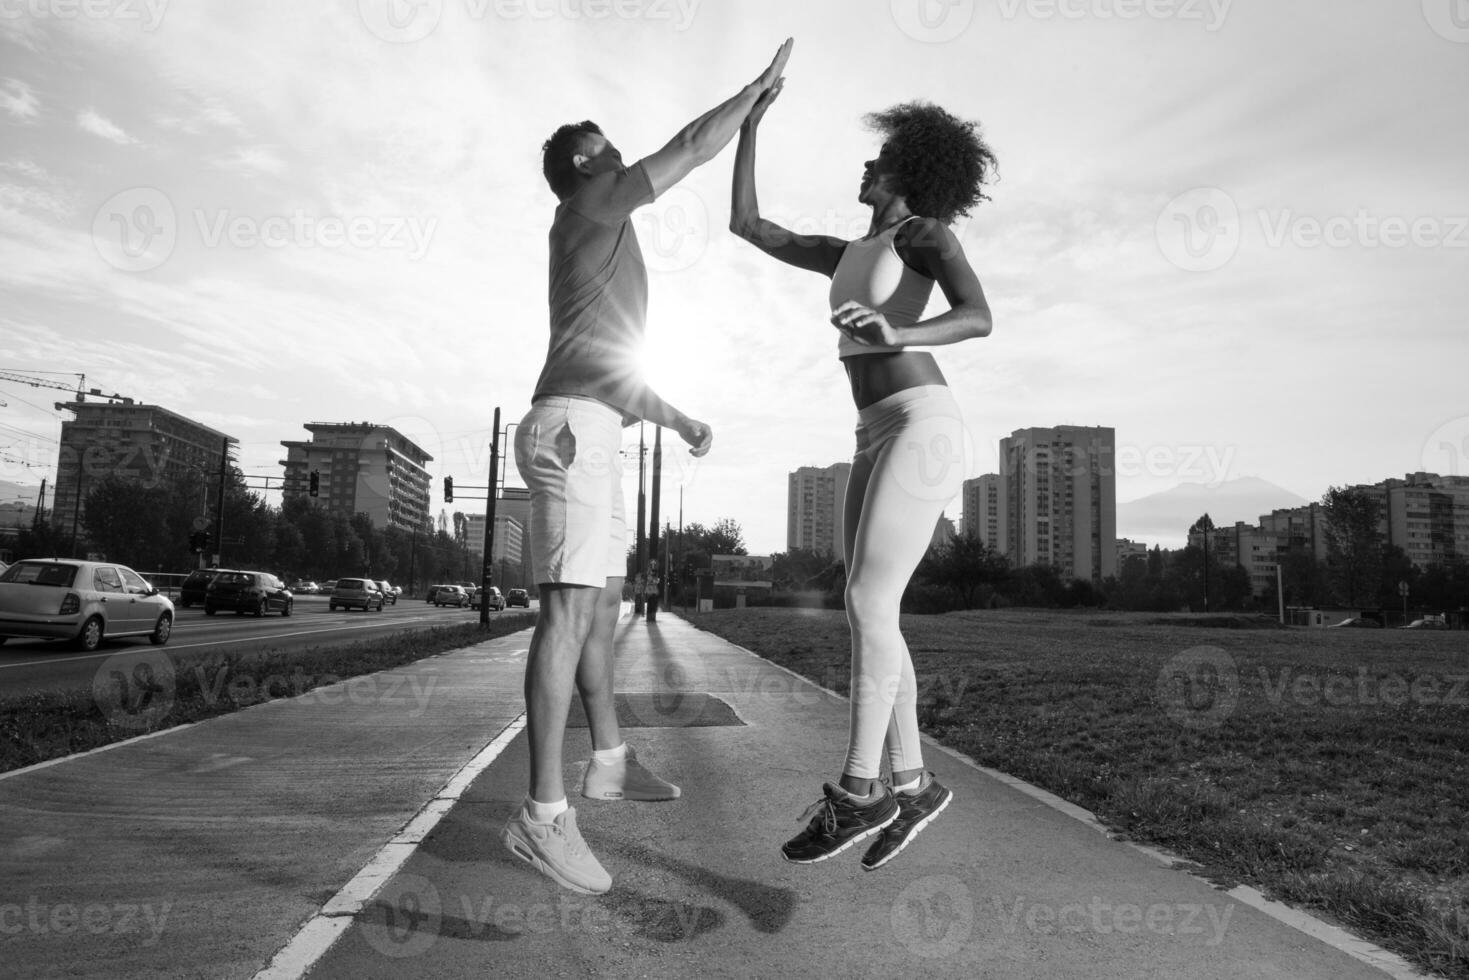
(248, 592)
(81, 601)
(491, 597)
(450, 595)
(1427, 623)
(390, 594)
(304, 586)
(517, 597)
(195, 584)
(355, 593)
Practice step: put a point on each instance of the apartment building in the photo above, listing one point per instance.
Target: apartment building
(361, 468)
(128, 439)
(814, 507)
(1059, 504)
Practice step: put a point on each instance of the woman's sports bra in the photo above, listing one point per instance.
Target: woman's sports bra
(871, 273)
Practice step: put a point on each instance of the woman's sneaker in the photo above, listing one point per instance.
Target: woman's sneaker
(915, 811)
(557, 850)
(625, 780)
(837, 822)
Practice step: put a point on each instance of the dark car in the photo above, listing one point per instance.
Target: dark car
(195, 584)
(253, 592)
(517, 597)
(355, 593)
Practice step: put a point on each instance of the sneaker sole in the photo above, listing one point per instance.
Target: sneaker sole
(526, 853)
(917, 829)
(855, 840)
(632, 797)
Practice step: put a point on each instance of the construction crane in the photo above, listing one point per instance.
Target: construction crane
(36, 381)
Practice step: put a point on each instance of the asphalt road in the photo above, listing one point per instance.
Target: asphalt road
(28, 666)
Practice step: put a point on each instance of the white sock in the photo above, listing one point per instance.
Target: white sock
(610, 757)
(545, 812)
(909, 787)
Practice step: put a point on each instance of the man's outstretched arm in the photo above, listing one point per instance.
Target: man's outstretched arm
(701, 140)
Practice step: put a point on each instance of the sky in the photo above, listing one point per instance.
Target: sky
(1235, 232)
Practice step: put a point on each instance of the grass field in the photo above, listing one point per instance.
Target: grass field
(159, 692)
(1328, 768)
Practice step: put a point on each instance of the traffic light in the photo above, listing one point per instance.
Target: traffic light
(315, 483)
(448, 489)
(199, 542)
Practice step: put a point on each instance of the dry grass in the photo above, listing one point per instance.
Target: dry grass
(1329, 768)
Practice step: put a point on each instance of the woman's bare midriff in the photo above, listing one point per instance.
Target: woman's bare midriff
(876, 376)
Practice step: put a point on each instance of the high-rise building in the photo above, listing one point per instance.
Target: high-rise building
(983, 502)
(814, 507)
(361, 468)
(1060, 499)
(137, 442)
(512, 535)
(1427, 515)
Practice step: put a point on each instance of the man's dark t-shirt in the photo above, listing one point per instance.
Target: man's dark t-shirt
(598, 293)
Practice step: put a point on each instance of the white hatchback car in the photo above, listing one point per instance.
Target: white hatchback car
(81, 601)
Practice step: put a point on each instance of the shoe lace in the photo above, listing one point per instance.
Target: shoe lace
(825, 810)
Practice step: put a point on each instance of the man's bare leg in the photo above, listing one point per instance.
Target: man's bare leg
(563, 625)
(594, 672)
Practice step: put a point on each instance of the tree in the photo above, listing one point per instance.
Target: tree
(965, 565)
(126, 520)
(1353, 542)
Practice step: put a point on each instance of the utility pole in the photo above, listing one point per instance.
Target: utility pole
(224, 462)
(640, 563)
(651, 573)
(486, 574)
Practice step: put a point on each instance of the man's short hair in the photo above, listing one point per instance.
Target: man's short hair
(557, 153)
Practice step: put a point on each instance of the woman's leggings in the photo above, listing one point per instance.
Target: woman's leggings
(909, 464)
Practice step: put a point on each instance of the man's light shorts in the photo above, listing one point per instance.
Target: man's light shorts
(568, 453)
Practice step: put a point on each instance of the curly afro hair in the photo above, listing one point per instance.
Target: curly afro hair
(939, 162)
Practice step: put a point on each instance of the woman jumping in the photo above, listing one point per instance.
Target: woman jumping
(910, 436)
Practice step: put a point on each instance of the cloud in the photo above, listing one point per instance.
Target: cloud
(90, 121)
(17, 98)
(252, 160)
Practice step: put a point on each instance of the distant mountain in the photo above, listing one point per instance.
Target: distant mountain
(1164, 518)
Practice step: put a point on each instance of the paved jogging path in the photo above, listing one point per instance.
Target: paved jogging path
(354, 834)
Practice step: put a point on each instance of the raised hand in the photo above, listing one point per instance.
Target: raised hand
(757, 111)
(777, 65)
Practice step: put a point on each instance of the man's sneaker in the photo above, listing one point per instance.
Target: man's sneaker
(837, 822)
(557, 850)
(625, 780)
(915, 811)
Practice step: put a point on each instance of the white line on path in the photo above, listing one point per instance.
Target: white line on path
(323, 930)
